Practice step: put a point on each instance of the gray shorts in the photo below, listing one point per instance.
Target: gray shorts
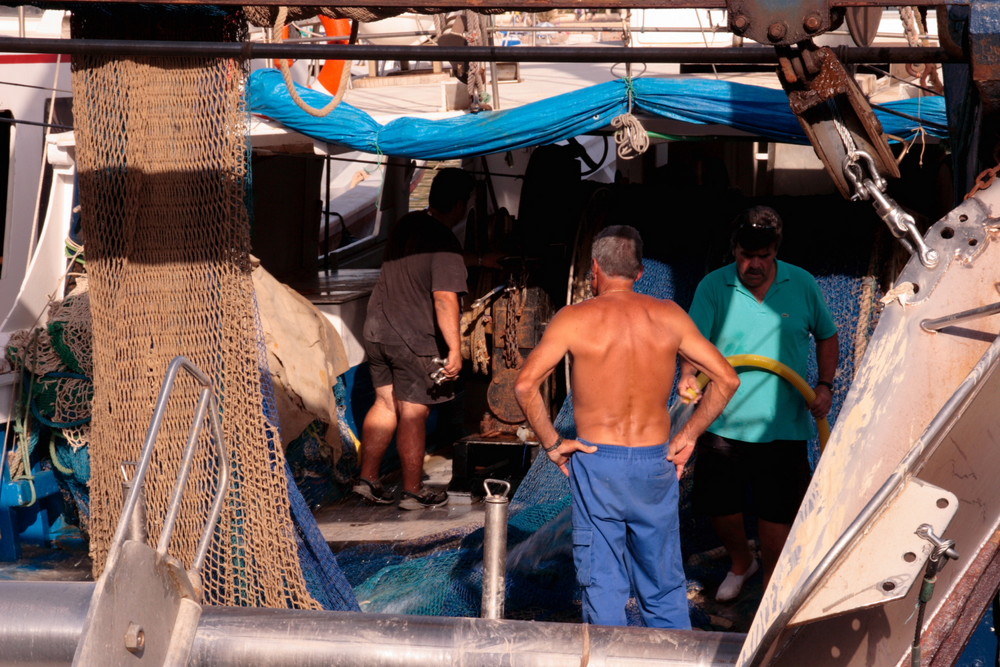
(409, 374)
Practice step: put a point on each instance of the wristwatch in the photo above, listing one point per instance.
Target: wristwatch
(554, 446)
(828, 385)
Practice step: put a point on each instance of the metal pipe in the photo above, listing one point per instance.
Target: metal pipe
(939, 323)
(494, 83)
(495, 549)
(230, 637)
(137, 520)
(50, 616)
(42, 621)
(540, 54)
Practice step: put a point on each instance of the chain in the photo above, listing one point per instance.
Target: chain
(515, 306)
(984, 180)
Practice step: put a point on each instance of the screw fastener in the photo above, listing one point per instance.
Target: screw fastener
(777, 30)
(135, 638)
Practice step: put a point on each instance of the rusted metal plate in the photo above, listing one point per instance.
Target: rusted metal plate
(775, 23)
(826, 100)
(984, 45)
(519, 319)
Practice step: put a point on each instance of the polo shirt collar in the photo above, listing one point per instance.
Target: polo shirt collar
(780, 276)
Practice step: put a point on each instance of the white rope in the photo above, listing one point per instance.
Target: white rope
(286, 73)
(630, 135)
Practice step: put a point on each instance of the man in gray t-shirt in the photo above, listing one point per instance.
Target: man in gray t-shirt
(413, 317)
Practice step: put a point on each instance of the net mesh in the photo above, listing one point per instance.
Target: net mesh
(162, 160)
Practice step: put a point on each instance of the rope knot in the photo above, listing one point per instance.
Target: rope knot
(630, 135)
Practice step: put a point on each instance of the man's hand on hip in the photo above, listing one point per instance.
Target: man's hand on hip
(681, 449)
(561, 454)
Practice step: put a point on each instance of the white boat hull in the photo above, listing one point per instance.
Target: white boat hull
(921, 411)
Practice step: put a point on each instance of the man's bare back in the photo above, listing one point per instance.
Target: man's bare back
(623, 368)
(623, 348)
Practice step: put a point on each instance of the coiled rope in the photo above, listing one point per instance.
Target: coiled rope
(630, 135)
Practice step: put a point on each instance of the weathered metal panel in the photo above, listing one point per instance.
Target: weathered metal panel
(895, 411)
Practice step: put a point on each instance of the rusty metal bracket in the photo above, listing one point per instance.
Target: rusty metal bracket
(833, 111)
(781, 24)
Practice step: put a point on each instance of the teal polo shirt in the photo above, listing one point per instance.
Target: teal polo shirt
(765, 407)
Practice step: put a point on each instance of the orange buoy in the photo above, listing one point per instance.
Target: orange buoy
(332, 73)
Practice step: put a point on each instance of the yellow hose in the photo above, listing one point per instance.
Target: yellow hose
(780, 369)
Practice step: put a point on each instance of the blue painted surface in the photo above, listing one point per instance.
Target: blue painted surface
(27, 517)
(982, 648)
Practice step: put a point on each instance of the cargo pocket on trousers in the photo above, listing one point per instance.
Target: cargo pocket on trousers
(582, 540)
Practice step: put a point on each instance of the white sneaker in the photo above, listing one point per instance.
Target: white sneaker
(733, 583)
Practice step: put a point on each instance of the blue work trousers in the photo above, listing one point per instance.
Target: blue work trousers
(626, 535)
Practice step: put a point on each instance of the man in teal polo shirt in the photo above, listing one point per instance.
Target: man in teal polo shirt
(759, 305)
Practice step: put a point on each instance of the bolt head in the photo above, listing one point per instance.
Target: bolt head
(135, 638)
(777, 30)
(812, 23)
(740, 23)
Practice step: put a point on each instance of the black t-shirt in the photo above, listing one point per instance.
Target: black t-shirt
(422, 256)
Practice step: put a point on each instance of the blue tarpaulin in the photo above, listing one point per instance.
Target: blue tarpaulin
(763, 112)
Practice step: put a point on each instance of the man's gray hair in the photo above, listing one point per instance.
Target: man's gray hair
(618, 251)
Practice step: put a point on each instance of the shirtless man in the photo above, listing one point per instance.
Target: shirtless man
(623, 347)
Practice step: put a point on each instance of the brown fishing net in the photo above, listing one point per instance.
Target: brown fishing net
(162, 159)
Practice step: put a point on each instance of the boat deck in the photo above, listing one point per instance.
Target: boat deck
(354, 520)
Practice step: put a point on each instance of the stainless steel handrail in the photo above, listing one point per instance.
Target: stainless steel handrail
(206, 403)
